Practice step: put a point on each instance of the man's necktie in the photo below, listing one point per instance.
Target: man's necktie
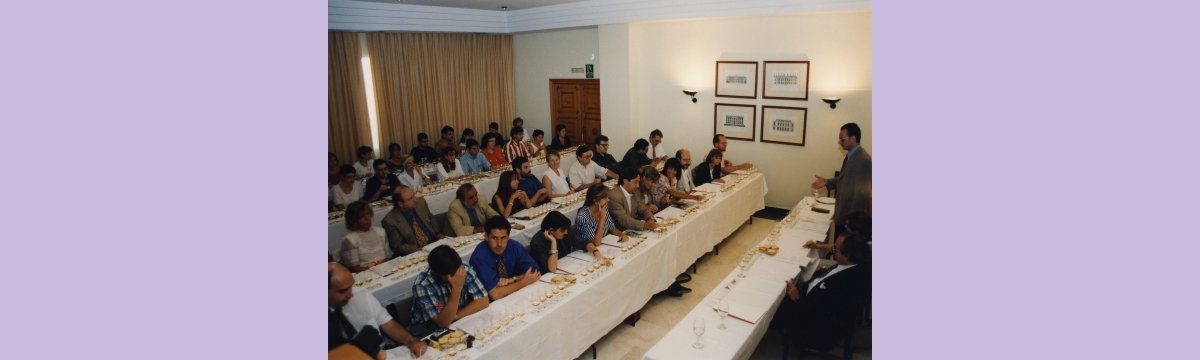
(827, 271)
(474, 217)
(346, 326)
(421, 239)
(503, 271)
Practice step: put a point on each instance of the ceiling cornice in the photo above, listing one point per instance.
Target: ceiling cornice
(349, 15)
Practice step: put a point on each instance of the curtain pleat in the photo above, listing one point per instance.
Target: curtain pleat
(349, 123)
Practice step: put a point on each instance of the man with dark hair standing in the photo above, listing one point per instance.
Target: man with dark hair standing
(351, 313)
(657, 152)
(528, 183)
(423, 153)
(448, 290)
(721, 143)
(601, 156)
(447, 141)
(627, 203)
(635, 157)
(853, 182)
(502, 263)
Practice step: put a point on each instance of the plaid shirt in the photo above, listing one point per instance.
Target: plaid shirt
(429, 290)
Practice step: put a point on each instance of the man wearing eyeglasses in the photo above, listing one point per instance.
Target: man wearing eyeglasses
(853, 183)
(409, 226)
(603, 158)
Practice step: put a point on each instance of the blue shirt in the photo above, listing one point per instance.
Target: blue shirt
(430, 291)
(530, 185)
(408, 218)
(487, 264)
(851, 153)
(474, 164)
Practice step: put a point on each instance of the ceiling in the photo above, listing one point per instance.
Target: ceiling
(479, 4)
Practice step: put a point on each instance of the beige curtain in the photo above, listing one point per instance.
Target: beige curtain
(426, 81)
(349, 124)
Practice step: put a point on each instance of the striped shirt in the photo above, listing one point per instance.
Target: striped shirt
(515, 149)
(585, 224)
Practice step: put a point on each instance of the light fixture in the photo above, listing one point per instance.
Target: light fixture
(692, 94)
(832, 102)
(503, 8)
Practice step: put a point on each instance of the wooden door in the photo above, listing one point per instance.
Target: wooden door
(575, 103)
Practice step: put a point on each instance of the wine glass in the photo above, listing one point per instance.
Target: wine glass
(742, 264)
(698, 328)
(723, 311)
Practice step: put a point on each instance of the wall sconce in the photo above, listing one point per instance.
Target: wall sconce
(832, 102)
(692, 94)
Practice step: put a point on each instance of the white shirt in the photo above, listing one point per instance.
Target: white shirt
(363, 309)
(363, 171)
(368, 247)
(409, 181)
(627, 198)
(558, 183)
(443, 175)
(579, 175)
(342, 198)
(685, 182)
(839, 268)
(657, 151)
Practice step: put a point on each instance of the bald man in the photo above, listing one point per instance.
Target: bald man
(353, 313)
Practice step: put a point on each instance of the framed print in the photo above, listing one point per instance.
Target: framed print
(733, 120)
(785, 80)
(784, 125)
(737, 79)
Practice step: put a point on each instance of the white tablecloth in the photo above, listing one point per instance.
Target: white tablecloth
(739, 339)
(440, 202)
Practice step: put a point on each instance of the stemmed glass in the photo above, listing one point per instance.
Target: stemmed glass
(698, 328)
(742, 264)
(723, 311)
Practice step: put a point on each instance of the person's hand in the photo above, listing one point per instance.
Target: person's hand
(531, 276)
(653, 208)
(728, 163)
(456, 281)
(597, 181)
(623, 238)
(438, 305)
(381, 355)
(607, 261)
(440, 236)
(722, 181)
(819, 183)
(650, 225)
(792, 292)
(571, 192)
(504, 281)
(809, 244)
(746, 165)
(383, 188)
(416, 348)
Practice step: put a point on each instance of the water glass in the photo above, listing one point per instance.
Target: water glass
(698, 328)
(723, 311)
(742, 264)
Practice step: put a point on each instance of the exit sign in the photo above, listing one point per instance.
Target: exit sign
(576, 70)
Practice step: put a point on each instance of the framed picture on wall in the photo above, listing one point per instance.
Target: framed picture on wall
(783, 125)
(734, 120)
(737, 79)
(785, 80)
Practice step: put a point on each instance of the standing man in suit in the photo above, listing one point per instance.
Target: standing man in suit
(820, 311)
(853, 183)
(409, 226)
(627, 203)
(466, 214)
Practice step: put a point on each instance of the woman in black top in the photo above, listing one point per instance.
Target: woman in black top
(561, 140)
(553, 238)
(709, 170)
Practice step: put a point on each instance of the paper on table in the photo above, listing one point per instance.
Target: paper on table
(546, 277)
(793, 237)
(794, 255)
(709, 187)
(811, 226)
(773, 270)
(612, 240)
(571, 265)
(669, 212)
(581, 255)
(751, 299)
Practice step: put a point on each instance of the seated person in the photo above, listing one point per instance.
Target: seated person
(585, 172)
(593, 221)
(382, 184)
(537, 147)
(627, 203)
(516, 147)
(657, 152)
(561, 140)
(409, 225)
(364, 245)
(553, 242)
(819, 313)
(858, 222)
(721, 143)
(363, 165)
(334, 165)
(413, 175)
(395, 161)
(520, 123)
(709, 170)
(446, 291)
(528, 183)
(603, 158)
(473, 161)
(467, 134)
(492, 150)
(494, 128)
(502, 264)
(665, 192)
(449, 168)
(447, 140)
(554, 180)
(349, 313)
(509, 199)
(423, 153)
(348, 190)
(466, 214)
(685, 183)
(635, 157)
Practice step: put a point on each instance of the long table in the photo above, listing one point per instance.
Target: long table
(440, 202)
(740, 339)
(592, 310)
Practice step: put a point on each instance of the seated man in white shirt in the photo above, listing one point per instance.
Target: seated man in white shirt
(657, 152)
(355, 312)
(585, 172)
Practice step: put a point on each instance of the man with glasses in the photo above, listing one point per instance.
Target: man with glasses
(466, 214)
(603, 158)
(409, 226)
(853, 182)
(586, 172)
(382, 184)
(721, 143)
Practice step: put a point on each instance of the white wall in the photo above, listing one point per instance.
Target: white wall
(539, 57)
